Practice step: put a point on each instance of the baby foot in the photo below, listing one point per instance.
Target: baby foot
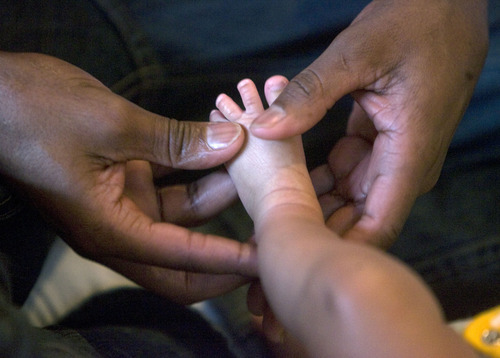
(267, 173)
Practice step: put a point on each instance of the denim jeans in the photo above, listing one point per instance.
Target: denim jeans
(174, 57)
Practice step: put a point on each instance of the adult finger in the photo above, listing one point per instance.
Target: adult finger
(382, 48)
(380, 219)
(329, 198)
(179, 144)
(194, 203)
(379, 184)
(184, 204)
(180, 286)
(138, 238)
(340, 70)
(322, 179)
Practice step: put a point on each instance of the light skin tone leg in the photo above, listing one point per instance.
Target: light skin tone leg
(337, 298)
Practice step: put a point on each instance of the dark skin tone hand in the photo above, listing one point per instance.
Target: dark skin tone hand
(411, 67)
(88, 158)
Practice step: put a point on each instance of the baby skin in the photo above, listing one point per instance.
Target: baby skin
(339, 299)
(276, 169)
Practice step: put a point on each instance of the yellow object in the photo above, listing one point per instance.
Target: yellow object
(483, 333)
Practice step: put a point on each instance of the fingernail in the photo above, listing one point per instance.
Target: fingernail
(269, 118)
(222, 135)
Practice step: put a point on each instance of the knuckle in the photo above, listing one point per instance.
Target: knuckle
(176, 142)
(165, 139)
(308, 84)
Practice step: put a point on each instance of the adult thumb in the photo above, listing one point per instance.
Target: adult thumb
(305, 100)
(184, 144)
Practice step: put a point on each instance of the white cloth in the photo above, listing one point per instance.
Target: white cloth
(65, 282)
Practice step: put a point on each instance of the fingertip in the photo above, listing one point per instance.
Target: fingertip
(323, 179)
(367, 231)
(344, 219)
(244, 82)
(219, 99)
(246, 86)
(349, 155)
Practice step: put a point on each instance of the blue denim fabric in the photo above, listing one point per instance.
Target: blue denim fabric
(191, 33)
(452, 238)
(482, 118)
(137, 323)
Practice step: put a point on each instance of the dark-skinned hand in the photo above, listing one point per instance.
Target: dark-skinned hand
(87, 158)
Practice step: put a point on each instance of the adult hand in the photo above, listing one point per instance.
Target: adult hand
(411, 67)
(82, 154)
